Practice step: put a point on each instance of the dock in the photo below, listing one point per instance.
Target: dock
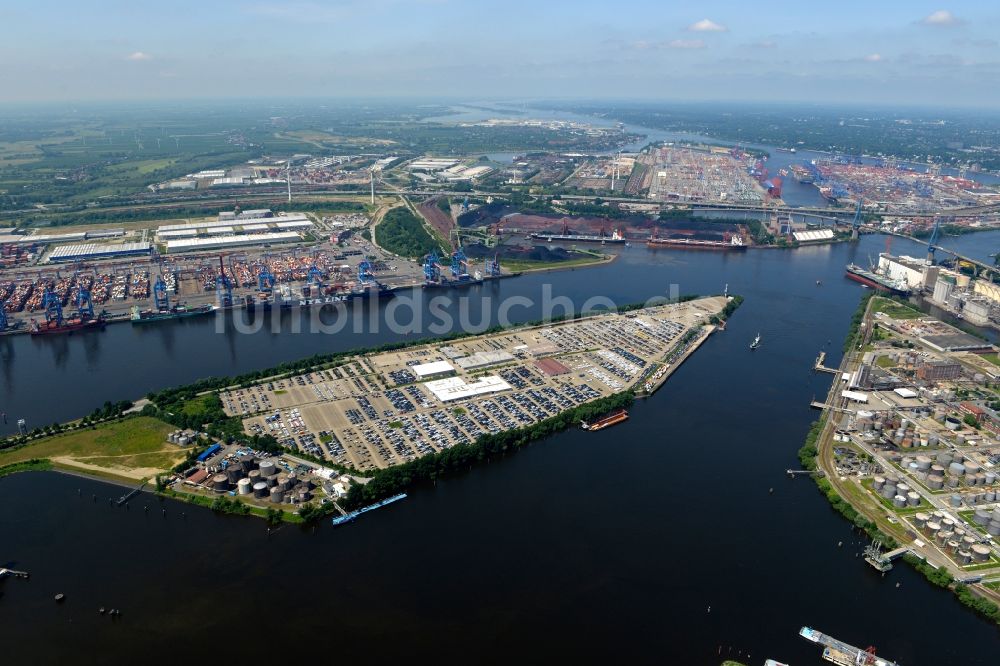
(843, 654)
(819, 367)
(135, 491)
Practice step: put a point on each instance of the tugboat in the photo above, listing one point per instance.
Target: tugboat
(755, 343)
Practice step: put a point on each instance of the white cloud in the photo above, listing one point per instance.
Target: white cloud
(686, 44)
(874, 57)
(766, 44)
(942, 17)
(138, 55)
(705, 25)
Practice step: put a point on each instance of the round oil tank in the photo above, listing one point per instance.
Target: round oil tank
(248, 463)
(972, 467)
(920, 518)
(943, 536)
(878, 482)
(234, 473)
(303, 494)
(933, 526)
(260, 489)
(991, 478)
(899, 501)
(953, 482)
(277, 495)
(980, 553)
(903, 488)
(923, 462)
(935, 481)
(888, 491)
(952, 545)
(996, 514)
(267, 468)
(243, 487)
(947, 524)
(912, 498)
(964, 557)
(254, 476)
(220, 482)
(937, 469)
(282, 481)
(993, 528)
(989, 496)
(944, 458)
(306, 482)
(958, 469)
(932, 440)
(968, 541)
(956, 500)
(271, 481)
(959, 441)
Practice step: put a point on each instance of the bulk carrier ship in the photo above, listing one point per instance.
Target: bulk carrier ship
(876, 281)
(728, 243)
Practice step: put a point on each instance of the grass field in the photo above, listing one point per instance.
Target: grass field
(895, 310)
(127, 448)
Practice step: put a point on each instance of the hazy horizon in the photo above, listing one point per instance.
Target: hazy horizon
(919, 54)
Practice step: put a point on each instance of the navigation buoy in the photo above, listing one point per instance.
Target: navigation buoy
(60, 597)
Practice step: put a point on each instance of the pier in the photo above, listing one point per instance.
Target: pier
(135, 491)
(819, 367)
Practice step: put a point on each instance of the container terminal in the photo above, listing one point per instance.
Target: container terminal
(229, 270)
(381, 409)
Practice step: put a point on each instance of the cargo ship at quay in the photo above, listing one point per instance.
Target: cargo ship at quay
(176, 312)
(611, 419)
(870, 278)
(60, 326)
(843, 654)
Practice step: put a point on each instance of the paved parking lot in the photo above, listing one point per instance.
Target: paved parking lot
(373, 412)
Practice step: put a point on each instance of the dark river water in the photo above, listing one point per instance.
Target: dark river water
(656, 541)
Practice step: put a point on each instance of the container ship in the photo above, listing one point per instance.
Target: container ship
(876, 281)
(175, 312)
(842, 654)
(53, 327)
(731, 243)
(353, 515)
(611, 419)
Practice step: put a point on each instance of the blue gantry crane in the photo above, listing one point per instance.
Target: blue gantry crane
(459, 263)
(84, 302)
(465, 204)
(265, 279)
(365, 272)
(493, 267)
(432, 267)
(160, 298)
(315, 277)
(52, 305)
(223, 287)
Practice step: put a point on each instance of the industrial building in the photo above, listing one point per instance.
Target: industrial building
(432, 164)
(813, 236)
(484, 359)
(96, 251)
(457, 388)
(433, 369)
(200, 244)
(916, 273)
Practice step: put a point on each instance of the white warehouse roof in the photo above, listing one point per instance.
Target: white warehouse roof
(456, 388)
(812, 236)
(434, 368)
(195, 244)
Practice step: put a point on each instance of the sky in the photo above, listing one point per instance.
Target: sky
(879, 51)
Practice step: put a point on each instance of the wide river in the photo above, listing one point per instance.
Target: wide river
(656, 541)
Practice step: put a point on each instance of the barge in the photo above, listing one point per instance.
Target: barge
(614, 418)
(732, 243)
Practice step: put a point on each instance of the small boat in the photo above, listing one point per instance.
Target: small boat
(819, 282)
(756, 342)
